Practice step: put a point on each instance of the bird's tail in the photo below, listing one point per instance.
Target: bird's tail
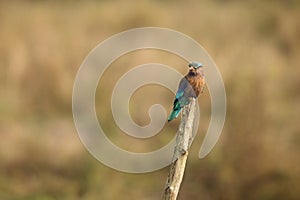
(174, 114)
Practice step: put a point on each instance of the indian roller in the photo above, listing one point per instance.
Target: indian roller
(190, 86)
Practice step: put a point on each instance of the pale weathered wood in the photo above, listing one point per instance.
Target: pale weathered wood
(183, 141)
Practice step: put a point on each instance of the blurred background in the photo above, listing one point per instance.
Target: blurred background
(256, 46)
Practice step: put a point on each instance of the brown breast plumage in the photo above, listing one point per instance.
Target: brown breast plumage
(197, 82)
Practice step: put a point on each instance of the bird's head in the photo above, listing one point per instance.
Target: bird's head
(195, 65)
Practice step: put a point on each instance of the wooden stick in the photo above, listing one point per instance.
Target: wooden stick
(183, 141)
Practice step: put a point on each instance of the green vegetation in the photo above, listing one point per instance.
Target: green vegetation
(255, 45)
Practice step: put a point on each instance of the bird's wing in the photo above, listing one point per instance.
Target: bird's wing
(182, 86)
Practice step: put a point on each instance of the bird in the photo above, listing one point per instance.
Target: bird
(190, 87)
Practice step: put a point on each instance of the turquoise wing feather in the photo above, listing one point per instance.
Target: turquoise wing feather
(180, 99)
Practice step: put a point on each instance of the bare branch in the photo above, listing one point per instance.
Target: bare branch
(183, 141)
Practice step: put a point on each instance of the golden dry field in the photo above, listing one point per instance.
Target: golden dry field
(255, 44)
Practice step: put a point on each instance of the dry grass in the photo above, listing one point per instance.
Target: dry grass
(256, 46)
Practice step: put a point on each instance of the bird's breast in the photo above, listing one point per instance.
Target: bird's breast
(196, 82)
